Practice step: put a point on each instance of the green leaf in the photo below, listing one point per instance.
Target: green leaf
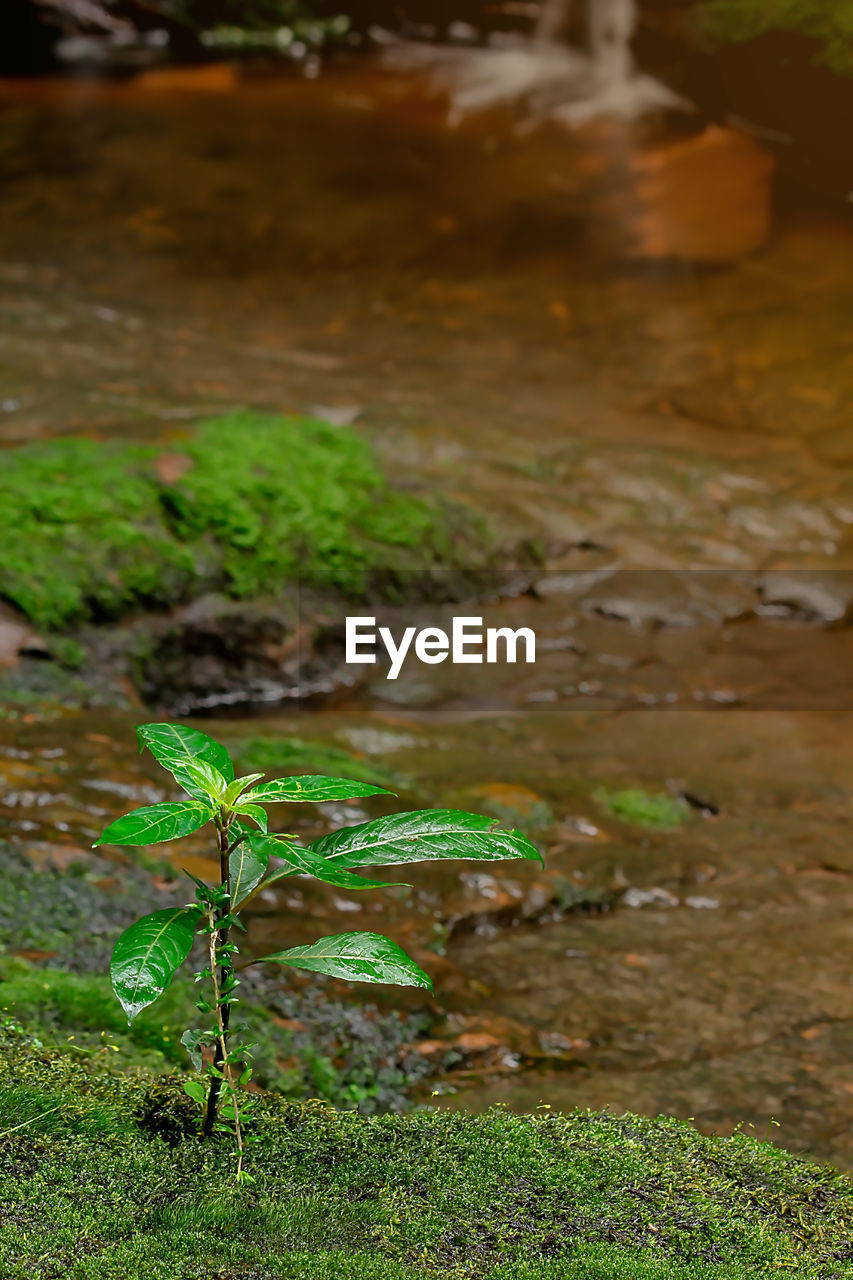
(256, 813)
(156, 823)
(192, 1042)
(357, 957)
(423, 836)
(147, 954)
(174, 746)
(238, 786)
(314, 788)
(313, 864)
(195, 1090)
(200, 780)
(247, 866)
(238, 828)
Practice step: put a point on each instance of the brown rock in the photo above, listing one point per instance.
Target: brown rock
(289, 1024)
(707, 198)
(171, 466)
(431, 1048)
(476, 1042)
(57, 856)
(218, 77)
(16, 638)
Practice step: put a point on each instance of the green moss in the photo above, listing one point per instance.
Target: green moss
(89, 1191)
(828, 21)
(36, 687)
(263, 498)
(91, 535)
(353, 1055)
(297, 755)
(642, 807)
(41, 909)
(80, 1009)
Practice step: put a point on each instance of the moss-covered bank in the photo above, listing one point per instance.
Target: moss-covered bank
(105, 1177)
(828, 22)
(307, 1043)
(244, 505)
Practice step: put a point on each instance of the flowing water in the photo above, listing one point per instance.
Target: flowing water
(530, 318)
(542, 74)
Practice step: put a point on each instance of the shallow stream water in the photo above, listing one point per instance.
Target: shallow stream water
(553, 324)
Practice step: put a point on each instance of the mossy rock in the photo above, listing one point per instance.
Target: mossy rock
(828, 22)
(246, 504)
(511, 804)
(90, 1192)
(307, 1043)
(642, 808)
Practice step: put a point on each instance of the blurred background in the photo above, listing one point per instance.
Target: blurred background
(542, 312)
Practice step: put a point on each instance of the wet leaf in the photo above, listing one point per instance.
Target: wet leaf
(314, 864)
(187, 754)
(356, 957)
(195, 1090)
(247, 866)
(256, 813)
(201, 780)
(147, 954)
(156, 823)
(314, 788)
(192, 1042)
(423, 836)
(238, 786)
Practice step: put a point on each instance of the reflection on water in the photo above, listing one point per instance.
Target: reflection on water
(529, 318)
(544, 77)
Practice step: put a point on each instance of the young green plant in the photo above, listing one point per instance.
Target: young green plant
(149, 952)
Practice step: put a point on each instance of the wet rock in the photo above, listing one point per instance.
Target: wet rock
(171, 466)
(822, 597)
(655, 897)
(477, 1042)
(511, 804)
(379, 742)
(487, 905)
(17, 639)
(706, 198)
(432, 1048)
(482, 902)
(554, 1045)
(340, 415)
(575, 583)
(216, 77)
(217, 655)
(572, 895)
(670, 598)
(492, 1043)
(211, 659)
(653, 598)
(576, 829)
(497, 1044)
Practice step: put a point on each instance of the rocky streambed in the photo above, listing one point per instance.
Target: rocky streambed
(684, 947)
(663, 451)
